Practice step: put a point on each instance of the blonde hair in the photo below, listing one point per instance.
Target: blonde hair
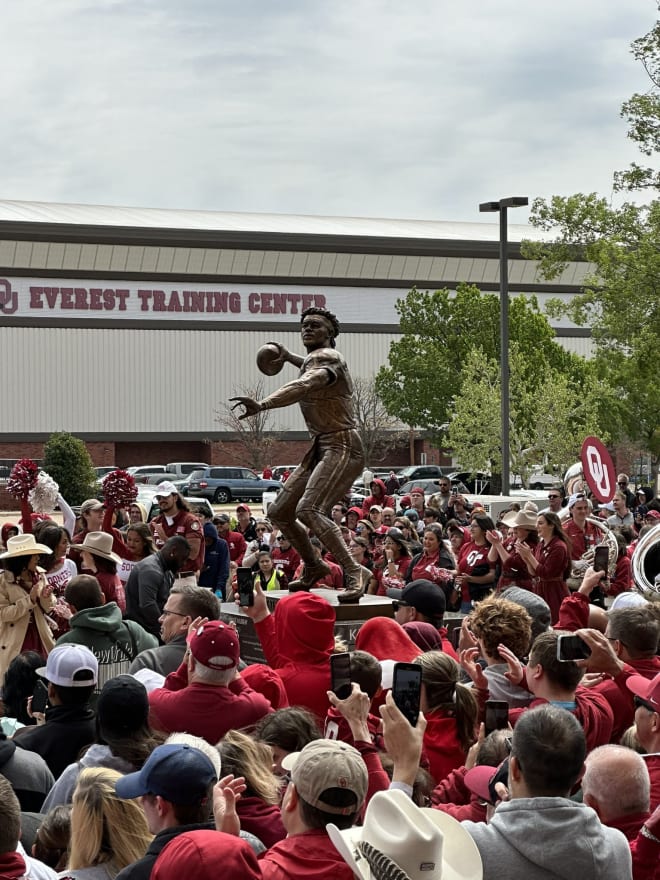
(244, 756)
(105, 829)
(440, 674)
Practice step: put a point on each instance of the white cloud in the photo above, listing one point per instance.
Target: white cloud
(354, 107)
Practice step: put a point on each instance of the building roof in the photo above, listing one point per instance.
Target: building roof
(18, 212)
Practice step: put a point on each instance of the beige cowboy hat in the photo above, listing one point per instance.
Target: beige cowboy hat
(525, 518)
(98, 544)
(23, 545)
(399, 839)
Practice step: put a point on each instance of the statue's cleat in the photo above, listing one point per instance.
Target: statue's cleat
(356, 582)
(311, 575)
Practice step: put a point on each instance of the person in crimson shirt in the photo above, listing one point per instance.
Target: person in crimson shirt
(633, 633)
(434, 563)
(476, 573)
(267, 473)
(583, 534)
(235, 541)
(175, 519)
(514, 571)
(549, 563)
(335, 577)
(285, 556)
(206, 696)
(378, 497)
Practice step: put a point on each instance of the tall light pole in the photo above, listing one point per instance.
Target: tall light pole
(502, 206)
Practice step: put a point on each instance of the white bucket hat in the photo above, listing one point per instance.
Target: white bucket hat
(398, 840)
(98, 544)
(24, 545)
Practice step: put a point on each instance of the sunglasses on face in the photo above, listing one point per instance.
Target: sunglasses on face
(553, 497)
(282, 538)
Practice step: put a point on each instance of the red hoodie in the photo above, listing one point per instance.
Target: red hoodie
(297, 640)
(311, 855)
(592, 711)
(383, 500)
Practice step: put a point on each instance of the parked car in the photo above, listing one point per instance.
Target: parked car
(147, 497)
(148, 473)
(225, 484)
(477, 483)
(537, 480)
(279, 469)
(104, 471)
(430, 487)
(423, 472)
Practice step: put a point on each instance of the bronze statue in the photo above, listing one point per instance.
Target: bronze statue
(324, 391)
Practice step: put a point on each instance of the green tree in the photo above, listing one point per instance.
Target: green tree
(621, 299)
(68, 462)
(547, 421)
(439, 330)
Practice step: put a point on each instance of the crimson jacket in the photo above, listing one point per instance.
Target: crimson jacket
(592, 711)
(297, 640)
(204, 710)
(441, 744)
(261, 819)
(452, 796)
(384, 500)
(574, 614)
(311, 855)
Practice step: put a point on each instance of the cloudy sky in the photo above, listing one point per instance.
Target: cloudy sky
(417, 109)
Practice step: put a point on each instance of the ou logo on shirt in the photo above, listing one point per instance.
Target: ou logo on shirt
(473, 557)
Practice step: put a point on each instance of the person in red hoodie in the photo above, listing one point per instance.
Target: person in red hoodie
(378, 496)
(297, 640)
(285, 556)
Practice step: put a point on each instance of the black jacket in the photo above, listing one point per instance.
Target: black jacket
(68, 729)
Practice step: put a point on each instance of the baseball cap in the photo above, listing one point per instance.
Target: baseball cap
(123, 705)
(412, 515)
(652, 514)
(425, 596)
(648, 690)
(242, 507)
(178, 773)
(376, 507)
(417, 490)
(65, 662)
(215, 645)
(165, 488)
(91, 504)
(221, 518)
(325, 764)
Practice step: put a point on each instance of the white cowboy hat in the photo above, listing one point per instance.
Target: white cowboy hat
(23, 545)
(98, 544)
(401, 841)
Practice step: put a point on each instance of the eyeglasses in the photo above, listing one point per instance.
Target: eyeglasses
(166, 613)
(553, 497)
(261, 529)
(639, 703)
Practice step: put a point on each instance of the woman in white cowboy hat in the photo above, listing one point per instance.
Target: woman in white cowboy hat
(25, 599)
(513, 568)
(98, 560)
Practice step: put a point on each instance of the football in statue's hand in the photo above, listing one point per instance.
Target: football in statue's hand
(269, 359)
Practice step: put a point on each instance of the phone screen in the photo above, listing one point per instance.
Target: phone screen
(497, 715)
(39, 697)
(340, 673)
(245, 582)
(601, 557)
(406, 689)
(572, 648)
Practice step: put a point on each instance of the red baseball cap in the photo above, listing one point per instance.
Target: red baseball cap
(417, 490)
(652, 514)
(216, 645)
(647, 689)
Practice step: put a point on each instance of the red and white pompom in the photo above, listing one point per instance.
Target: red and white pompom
(23, 478)
(43, 498)
(119, 489)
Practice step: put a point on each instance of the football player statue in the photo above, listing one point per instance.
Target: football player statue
(325, 393)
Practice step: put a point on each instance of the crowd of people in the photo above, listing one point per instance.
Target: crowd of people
(137, 741)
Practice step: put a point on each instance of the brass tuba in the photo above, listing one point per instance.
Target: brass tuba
(579, 566)
(645, 563)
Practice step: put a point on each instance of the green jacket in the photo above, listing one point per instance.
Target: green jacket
(114, 642)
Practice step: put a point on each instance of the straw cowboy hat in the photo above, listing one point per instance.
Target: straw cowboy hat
(98, 544)
(400, 841)
(525, 518)
(24, 545)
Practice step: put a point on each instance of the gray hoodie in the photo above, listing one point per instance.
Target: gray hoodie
(97, 755)
(550, 838)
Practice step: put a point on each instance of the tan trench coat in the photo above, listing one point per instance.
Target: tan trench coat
(15, 607)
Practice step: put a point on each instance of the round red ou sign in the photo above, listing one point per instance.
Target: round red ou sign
(598, 469)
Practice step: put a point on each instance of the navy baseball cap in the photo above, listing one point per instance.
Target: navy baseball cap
(178, 773)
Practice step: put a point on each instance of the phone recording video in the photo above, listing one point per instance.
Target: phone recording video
(601, 557)
(406, 689)
(39, 697)
(572, 648)
(497, 715)
(340, 675)
(245, 582)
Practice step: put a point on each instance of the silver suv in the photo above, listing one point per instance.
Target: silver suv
(224, 484)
